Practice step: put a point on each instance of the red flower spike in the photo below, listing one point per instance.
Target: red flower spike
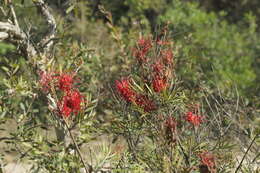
(145, 103)
(143, 47)
(70, 103)
(45, 80)
(196, 120)
(159, 83)
(123, 87)
(208, 160)
(158, 68)
(167, 56)
(65, 82)
(140, 56)
(144, 44)
(162, 43)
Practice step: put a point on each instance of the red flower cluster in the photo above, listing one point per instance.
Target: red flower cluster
(162, 43)
(159, 72)
(167, 56)
(158, 68)
(208, 160)
(125, 90)
(159, 83)
(196, 120)
(145, 103)
(45, 80)
(64, 82)
(164, 62)
(123, 87)
(143, 47)
(70, 103)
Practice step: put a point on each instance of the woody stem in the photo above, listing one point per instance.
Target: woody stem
(87, 167)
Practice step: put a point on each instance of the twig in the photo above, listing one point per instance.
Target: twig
(47, 40)
(240, 164)
(12, 33)
(87, 167)
(16, 36)
(185, 155)
(3, 11)
(7, 138)
(14, 15)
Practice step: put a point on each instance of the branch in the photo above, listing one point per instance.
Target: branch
(87, 167)
(3, 36)
(47, 40)
(241, 162)
(13, 34)
(3, 11)
(14, 15)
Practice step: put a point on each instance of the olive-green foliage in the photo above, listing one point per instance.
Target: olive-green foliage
(5, 48)
(208, 45)
(129, 12)
(235, 9)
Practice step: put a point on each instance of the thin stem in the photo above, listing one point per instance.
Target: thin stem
(3, 11)
(87, 167)
(14, 15)
(186, 157)
(240, 164)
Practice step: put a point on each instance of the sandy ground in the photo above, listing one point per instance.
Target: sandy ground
(93, 150)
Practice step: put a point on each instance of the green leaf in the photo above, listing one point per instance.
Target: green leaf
(70, 9)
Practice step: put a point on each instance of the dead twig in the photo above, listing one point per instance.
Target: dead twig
(12, 33)
(241, 162)
(48, 40)
(13, 14)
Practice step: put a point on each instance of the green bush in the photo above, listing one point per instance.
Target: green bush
(220, 53)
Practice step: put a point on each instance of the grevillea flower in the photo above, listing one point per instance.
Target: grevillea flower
(196, 120)
(144, 44)
(140, 56)
(65, 82)
(167, 56)
(70, 103)
(143, 47)
(124, 89)
(159, 83)
(162, 42)
(145, 103)
(208, 160)
(158, 67)
(45, 80)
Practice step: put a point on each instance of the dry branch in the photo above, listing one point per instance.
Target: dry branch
(47, 40)
(12, 33)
